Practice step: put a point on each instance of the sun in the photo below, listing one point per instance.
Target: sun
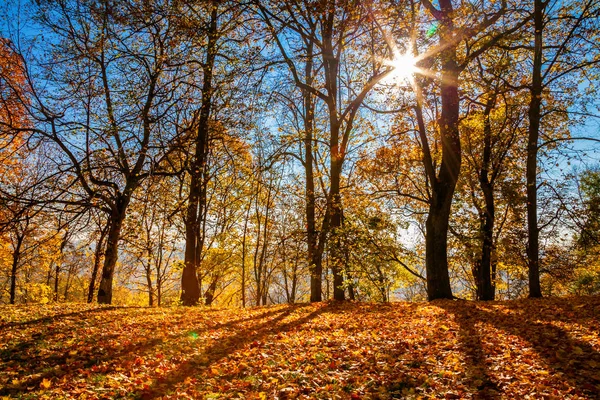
(404, 67)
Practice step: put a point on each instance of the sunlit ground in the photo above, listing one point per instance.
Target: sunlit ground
(546, 348)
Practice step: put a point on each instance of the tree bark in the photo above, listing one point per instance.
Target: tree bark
(56, 276)
(331, 67)
(336, 224)
(483, 269)
(150, 288)
(97, 257)
(63, 244)
(313, 256)
(436, 242)
(444, 183)
(196, 210)
(533, 246)
(159, 293)
(316, 271)
(244, 251)
(15, 265)
(111, 252)
(209, 295)
(436, 238)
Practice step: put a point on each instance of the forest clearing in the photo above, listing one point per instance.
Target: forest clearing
(534, 348)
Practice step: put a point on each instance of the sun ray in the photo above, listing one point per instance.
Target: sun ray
(404, 67)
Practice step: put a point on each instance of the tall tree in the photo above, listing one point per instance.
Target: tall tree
(491, 133)
(455, 27)
(196, 206)
(565, 43)
(213, 31)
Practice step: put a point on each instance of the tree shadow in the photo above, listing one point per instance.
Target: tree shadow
(51, 347)
(239, 339)
(569, 358)
(478, 376)
(56, 317)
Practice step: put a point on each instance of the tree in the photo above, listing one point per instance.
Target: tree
(333, 27)
(563, 45)
(491, 136)
(101, 229)
(454, 28)
(213, 31)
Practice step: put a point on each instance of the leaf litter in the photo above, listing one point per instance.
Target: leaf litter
(527, 349)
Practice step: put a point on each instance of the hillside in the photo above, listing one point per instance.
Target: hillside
(547, 348)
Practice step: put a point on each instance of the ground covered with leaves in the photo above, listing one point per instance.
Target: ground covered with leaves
(535, 349)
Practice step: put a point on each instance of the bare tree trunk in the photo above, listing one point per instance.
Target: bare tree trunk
(313, 256)
(444, 184)
(483, 268)
(294, 288)
(533, 245)
(150, 288)
(111, 253)
(210, 292)
(159, 293)
(63, 244)
(196, 211)
(243, 288)
(56, 275)
(68, 282)
(336, 218)
(98, 252)
(15, 265)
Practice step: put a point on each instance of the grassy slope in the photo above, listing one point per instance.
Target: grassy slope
(546, 348)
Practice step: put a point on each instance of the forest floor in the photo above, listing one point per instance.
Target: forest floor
(536, 349)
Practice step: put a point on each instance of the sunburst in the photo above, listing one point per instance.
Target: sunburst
(404, 67)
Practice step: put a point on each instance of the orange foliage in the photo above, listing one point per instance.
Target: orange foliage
(12, 89)
(12, 113)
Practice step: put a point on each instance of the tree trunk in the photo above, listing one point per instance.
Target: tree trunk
(244, 251)
(56, 275)
(336, 225)
(347, 272)
(436, 241)
(111, 253)
(150, 288)
(444, 184)
(533, 245)
(63, 244)
(331, 64)
(485, 289)
(15, 265)
(97, 257)
(68, 282)
(294, 289)
(313, 256)
(264, 297)
(256, 266)
(210, 292)
(483, 269)
(196, 210)
(159, 293)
